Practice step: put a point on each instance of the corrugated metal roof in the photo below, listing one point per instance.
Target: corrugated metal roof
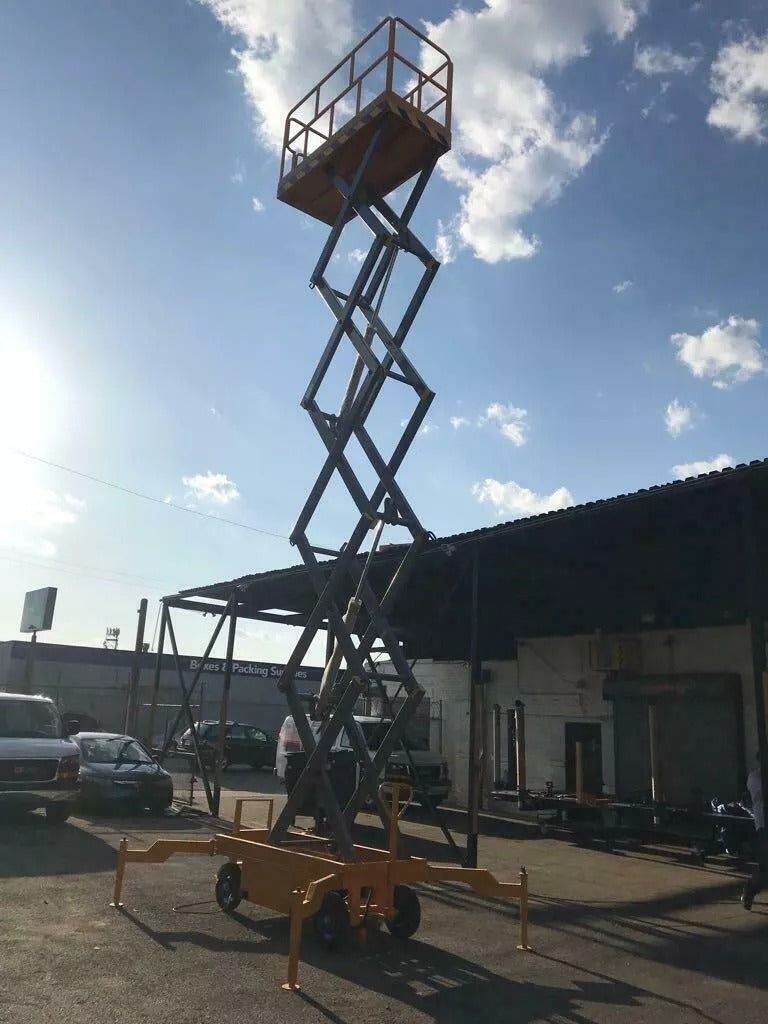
(739, 471)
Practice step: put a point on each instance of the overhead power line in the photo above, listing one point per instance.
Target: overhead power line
(87, 575)
(148, 497)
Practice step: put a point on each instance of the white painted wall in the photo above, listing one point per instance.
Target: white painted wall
(553, 678)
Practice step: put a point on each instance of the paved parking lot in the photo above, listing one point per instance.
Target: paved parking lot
(627, 937)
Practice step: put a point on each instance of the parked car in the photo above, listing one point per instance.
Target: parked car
(39, 763)
(432, 768)
(243, 744)
(117, 769)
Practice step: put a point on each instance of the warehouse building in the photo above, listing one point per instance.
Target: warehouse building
(633, 625)
(93, 682)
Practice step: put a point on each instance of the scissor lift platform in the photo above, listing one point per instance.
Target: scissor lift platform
(302, 879)
(415, 122)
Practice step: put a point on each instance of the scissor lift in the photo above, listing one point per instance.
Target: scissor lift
(387, 121)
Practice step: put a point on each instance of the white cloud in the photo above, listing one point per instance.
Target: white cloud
(258, 206)
(459, 421)
(445, 245)
(686, 469)
(661, 60)
(727, 353)
(678, 417)
(285, 48)
(515, 145)
(511, 421)
(237, 177)
(739, 81)
(623, 286)
(512, 499)
(428, 428)
(356, 255)
(213, 487)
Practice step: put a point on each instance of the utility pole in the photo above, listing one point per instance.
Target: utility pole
(221, 738)
(29, 667)
(474, 780)
(133, 687)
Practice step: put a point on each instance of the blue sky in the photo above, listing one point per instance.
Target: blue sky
(599, 319)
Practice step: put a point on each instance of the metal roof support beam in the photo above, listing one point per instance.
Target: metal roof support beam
(757, 607)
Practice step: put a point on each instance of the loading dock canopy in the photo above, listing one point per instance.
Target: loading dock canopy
(674, 556)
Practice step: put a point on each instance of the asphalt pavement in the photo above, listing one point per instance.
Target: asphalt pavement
(618, 937)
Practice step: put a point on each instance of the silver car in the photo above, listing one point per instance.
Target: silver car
(39, 763)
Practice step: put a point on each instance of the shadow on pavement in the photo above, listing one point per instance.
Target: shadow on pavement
(410, 846)
(30, 846)
(434, 982)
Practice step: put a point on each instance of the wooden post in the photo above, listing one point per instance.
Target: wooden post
(579, 771)
(496, 744)
(523, 944)
(119, 872)
(520, 752)
(511, 779)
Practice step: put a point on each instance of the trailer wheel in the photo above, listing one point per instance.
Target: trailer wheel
(332, 919)
(407, 913)
(228, 893)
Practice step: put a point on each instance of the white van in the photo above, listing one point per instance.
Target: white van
(432, 768)
(39, 763)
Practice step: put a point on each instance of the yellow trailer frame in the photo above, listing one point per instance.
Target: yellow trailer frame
(294, 877)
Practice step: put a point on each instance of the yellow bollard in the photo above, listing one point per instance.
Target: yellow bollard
(523, 944)
(119, 872)
(294, 943)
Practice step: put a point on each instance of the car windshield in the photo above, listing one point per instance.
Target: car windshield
(29, 718)
(375, 732)
(113, 750)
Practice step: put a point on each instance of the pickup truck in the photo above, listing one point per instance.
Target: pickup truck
(432, 768)
(39, 763)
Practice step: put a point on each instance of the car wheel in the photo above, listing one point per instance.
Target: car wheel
(407, 916)
(57, 814)
(332, 919)
(228, 892)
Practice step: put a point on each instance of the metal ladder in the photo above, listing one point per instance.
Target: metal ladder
(386, 506)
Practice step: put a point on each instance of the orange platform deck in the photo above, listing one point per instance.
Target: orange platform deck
(410, 139)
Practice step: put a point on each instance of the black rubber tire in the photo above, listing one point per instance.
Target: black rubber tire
(407, 917)
(331, 922)
(57, 814)
(228, 891)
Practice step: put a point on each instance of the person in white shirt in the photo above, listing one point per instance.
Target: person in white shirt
(759, 877)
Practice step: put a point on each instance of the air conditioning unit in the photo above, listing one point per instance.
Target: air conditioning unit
(615, 654)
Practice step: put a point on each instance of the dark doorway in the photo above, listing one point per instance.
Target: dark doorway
(591, 738)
